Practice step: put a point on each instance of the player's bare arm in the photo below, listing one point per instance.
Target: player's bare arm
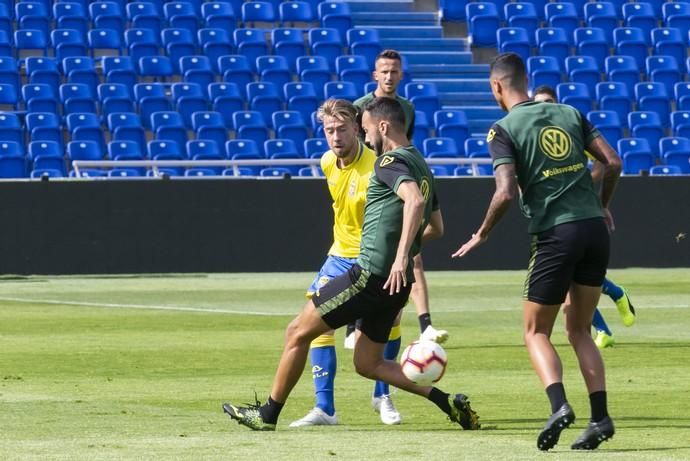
(506, 190)
(413, 208)
(607, 156)
(434, 230)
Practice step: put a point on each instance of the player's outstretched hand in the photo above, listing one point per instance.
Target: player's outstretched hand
(470, 245)
(397, 278)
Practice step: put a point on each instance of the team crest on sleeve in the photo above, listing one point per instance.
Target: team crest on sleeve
(424, 188)
(490, 136)
(386, 160)
(555, 142)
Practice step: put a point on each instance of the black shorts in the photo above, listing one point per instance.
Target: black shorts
(359, 294)
(577, 252)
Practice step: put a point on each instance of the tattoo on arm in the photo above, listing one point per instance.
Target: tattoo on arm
(506, 188)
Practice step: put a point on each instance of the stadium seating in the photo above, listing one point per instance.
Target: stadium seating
(564, 16)
(646, 125)
(592, 41)
(273, 69)
(676, 151)
(576, 95)
(10, 128)
(583, 69)
(631, 41)
(608, 123)
(640, 15)
(651, 96)
(554, 42)
(289, 43)
(614, 96)
(364, 42)
(602, 15)
(524, 15)
(680, 123)
(636, 154)
(452, 124)
(623, 69)
(440, 148)
(483, 20)
(515, 40)
(543, 70)
(235, 69)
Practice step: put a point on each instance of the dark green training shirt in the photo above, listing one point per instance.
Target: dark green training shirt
(383, 212)
(406, 104)
(546, 142)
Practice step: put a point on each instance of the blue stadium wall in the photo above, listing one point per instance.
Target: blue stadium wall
(101, 227)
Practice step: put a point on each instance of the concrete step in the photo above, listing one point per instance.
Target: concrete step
(450, 70)
(464, 85)
(379, 6)
(492, 112)
(467, 98)
(409, 32)
(426, 44)
(420, 18)
(432, 57)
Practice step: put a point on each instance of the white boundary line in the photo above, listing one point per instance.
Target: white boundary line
(265, 314)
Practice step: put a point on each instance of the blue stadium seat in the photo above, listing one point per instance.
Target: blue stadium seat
(576, 95)
(665, 170)
(8, 97)
(189, 98)
(205, 149)
(593, 42)
(676, 151)
(251, 43)
(364, 42)
(476, 147)
(178, 43)
(181, 15)
(68, 42)
(441, 147)
(647, 125)
(104, 42)
(636, 154)
(32, 15)
(169, 125)
(677, 15)
(315, 147)
(124, 173)
(155, 68)
(209, 125)
(289, 124)
(71, 15)
(46, 155)
(553, 42)
(119, 69)
(144, 15)
(631, 41)
(126, 126)
(543, 70)
(681, 92)
(42, 70)
(107, 15)
(219, 15)
(265, 98)
(452, 124)
(337, 16)
(256, 11)
(84, 150)
(603, 15)
(482, 20)
(151, 98)
(244, 149)
(86, 127)
(289, 43)
(317, 125)
(680, 123)
(6, 48)
(124, 150)
(583, 69)
(12, 163)
(642, 16)
(523, 14)
(420, 130)
(663, 69)
(44, 126)
(623, 69)
(197, 70)
(295, 11)
(140, 43)
(515, 40)
(215, 43)
(608, 123)
(30, 42)
(314, 70)
(201, 172)
(275, 172)
(163, 150)
(40, 97)
(273, 69)
(326, 43)
(236, 69)
(250, 125)
(353, 68)
(614, 96)
(114, 97)
(341, 90)
(77, 98)
(424, 96)
(651, 96)
(564, 16)
(226, 99)
(283, 149)
(43, 173)
(301, 97)
(11, 129)
(670, 42)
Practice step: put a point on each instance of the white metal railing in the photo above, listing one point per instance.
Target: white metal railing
(155, 165)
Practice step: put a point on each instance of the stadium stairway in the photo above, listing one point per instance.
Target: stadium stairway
(414, 29)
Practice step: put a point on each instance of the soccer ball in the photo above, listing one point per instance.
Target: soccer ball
(424, 362)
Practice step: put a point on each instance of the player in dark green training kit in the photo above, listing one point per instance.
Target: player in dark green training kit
(401, 210)
(540, 147)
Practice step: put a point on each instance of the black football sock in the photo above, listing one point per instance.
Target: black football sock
(424, 321)
(440, 398)
(597, 400)
(270, 411)
(350, 329)
(556, 394)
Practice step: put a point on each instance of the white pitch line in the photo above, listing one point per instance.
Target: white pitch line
(143, 306)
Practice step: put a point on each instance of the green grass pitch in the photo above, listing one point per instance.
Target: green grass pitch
(137, 368)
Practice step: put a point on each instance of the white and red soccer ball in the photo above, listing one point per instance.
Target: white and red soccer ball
(424, 362)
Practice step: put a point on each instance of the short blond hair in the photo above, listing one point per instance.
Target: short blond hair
(340, 109)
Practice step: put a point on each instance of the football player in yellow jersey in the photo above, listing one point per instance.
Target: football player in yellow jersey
(617, 293)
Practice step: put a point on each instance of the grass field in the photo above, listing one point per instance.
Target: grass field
(137, 368)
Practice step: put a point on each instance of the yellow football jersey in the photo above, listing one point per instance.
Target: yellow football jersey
(348, 188)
